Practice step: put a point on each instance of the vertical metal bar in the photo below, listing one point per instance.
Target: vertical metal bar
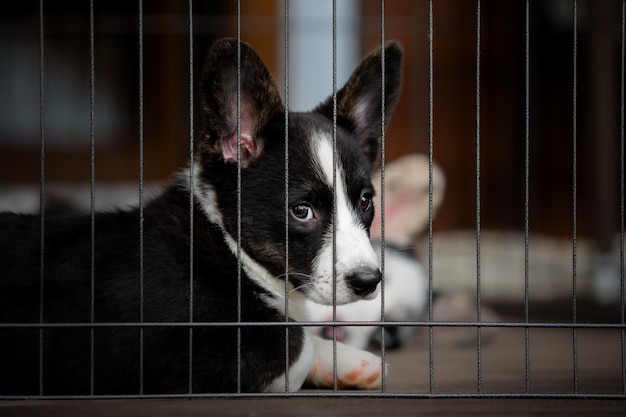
(478, 277)
(238, 194)
(141, 201)
(527, 198)
(191, 196)
(622, 132)
(334, 268)
(92, 82)
(42, 189)
(287, 194)
(574, 188)
(382, 197)
(431, 120)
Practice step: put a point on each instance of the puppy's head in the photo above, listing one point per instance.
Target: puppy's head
(322, 219)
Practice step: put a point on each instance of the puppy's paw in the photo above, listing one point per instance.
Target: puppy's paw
(361, 374)
(356, 369)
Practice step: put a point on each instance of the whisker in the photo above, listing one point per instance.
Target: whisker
(299, 287)
(284, 274)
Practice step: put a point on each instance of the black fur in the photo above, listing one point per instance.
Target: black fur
(67, 289)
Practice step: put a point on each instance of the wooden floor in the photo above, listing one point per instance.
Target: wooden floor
(503, 370)
(551, 366)
(295, 407)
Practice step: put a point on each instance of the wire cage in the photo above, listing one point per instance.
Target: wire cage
(529, 129)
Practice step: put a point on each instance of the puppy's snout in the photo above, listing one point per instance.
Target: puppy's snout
(364, 281)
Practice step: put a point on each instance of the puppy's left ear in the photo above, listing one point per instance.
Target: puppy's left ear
(223, 81)
(359, 102)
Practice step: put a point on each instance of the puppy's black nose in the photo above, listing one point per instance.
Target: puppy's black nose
(364, 281)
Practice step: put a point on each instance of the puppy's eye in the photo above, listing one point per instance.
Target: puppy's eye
(365, 202)
(302, 212)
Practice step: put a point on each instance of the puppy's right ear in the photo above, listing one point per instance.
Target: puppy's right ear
(259, 100)
(359, 104)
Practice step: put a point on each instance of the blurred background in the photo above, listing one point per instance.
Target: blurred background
(502, 129)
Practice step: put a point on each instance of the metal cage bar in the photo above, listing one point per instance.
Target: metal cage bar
(191, 195)
(527, 194)
(431, 126)
(42, 186)
(239, 195)
(334, 217)
(286, 52)
(621, 235)
(92, 134)
(431, 324)
(574, 190)
(478, 203)
(383, 387)
(141, 193)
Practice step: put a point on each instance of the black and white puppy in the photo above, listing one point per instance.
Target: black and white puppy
(167, 286)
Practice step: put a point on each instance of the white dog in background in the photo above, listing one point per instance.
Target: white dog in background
(405, 279)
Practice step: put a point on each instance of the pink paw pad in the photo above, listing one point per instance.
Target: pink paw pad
(364, 376)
